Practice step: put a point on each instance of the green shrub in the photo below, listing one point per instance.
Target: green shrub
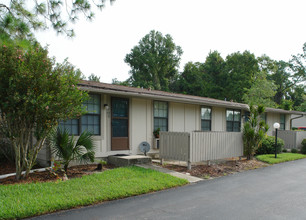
(285, 150)
(268, 145)
(67, 148)
(303, 149)
(293, 150)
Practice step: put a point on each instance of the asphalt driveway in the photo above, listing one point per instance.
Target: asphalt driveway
(274, 192)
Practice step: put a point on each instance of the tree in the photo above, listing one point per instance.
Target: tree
(298, 67)
(94, 78)
(35, 93)
(240, 70)
(253, 131)
(154, 61)
(19, 19)
(192, 80)
(214, 69)
(281, 78)
(115, 81)
(65, 147)
(302, 107)
(261, 92)
(298, 97)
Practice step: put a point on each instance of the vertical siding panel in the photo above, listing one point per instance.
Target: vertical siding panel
(206, 144)
(193, 146)
(203, 145)
(292, 139)
(196, 146)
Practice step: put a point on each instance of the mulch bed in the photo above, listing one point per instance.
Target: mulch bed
(46, 176)
(218, 169)
(7, 167)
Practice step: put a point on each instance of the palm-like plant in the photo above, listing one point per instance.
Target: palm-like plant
(254, 131)
(65, 147)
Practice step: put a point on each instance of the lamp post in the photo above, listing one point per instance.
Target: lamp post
(276, 127)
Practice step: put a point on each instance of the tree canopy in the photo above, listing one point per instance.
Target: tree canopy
(240, 70)
(154, 61)
(35, 93)
(261, 92)
(241, 77)
(192, 80)
(94, 77)
(19, 17)
(213, 68)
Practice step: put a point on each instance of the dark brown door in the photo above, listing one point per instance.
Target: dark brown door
(120, 124)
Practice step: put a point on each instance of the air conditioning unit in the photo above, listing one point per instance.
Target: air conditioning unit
(156, 143)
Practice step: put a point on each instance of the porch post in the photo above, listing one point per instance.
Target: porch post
(189, 165)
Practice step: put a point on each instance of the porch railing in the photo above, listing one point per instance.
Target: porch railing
(292, 139)
(200, 146)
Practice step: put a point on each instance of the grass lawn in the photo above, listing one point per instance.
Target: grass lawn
(24, 200)
(283, 157)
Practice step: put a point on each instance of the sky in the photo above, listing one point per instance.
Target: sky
(272, 27)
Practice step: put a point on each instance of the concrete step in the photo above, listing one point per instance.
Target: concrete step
(128, 160)
(154, 155)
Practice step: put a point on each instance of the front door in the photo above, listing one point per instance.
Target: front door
(120, 124)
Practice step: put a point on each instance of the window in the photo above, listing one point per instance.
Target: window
(89, 122)
(233, 120)
(282, 122)
(205, 119)
(72, 125)
(160, 115)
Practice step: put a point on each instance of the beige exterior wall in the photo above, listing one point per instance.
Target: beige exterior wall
(141, 123)
(218, 119)
(183, 117)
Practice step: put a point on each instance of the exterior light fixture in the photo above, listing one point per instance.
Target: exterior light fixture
(106, 106)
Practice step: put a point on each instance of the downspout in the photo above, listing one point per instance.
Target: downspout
(295, 118)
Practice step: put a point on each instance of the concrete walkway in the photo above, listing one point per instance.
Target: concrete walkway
(191, 179)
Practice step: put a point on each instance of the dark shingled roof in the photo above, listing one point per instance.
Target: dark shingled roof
(161, 95)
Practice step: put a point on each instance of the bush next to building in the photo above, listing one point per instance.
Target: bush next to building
(268, 145)
(303, 149)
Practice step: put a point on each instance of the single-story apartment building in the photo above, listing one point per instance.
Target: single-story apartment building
(122, 117)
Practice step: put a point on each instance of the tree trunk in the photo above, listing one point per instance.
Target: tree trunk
(25, 153)
(18, 166)
(33, 155)
(66, 168)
